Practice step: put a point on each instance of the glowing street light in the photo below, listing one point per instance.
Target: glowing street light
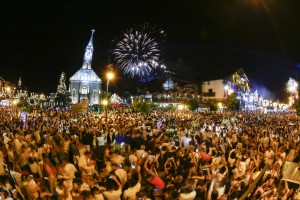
(104, 102)
(220, 105)
(180, 107)
(110, 75)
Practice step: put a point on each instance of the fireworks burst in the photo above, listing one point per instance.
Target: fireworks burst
(138, 52)
(292, 85)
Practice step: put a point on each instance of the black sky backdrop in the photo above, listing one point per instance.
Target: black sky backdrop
(41, 39)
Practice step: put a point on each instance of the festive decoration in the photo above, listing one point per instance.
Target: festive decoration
(61, 88)
(138, 52)
(62, 93)
(292, 88)
(241, 81)
(115, 100)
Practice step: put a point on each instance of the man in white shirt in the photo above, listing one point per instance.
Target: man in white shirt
(86, 165)
(62, 191)
(269, 156)
(140, 152)
(121, 173)
(186, 140)
(188, 194)
(130, 193)
(18, 144)
(110, 193)
(117, 158)
(69, 171)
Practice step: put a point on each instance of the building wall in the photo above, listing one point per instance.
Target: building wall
(92, 95)
(73, 89)
(213, 89)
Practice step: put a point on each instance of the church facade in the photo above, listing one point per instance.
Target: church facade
(85, 83)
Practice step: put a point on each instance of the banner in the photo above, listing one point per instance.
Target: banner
(80, 107)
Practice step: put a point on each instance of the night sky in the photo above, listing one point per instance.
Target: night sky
(40, 40)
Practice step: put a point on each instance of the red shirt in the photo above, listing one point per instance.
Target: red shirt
(157, 183)
(205, 156)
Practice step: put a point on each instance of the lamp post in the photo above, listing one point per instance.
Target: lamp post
(105, 104)
(109, 75)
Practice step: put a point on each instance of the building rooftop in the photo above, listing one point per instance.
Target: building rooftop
(85, 75)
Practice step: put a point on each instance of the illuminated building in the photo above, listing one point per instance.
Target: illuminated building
(85, 83)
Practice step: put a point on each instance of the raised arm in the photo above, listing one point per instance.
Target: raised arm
(116, 180)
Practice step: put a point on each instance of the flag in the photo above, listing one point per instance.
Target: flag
(80, 107)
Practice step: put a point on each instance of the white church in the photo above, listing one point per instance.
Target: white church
(85, 83)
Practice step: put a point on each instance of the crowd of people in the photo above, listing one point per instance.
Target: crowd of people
(162, 155)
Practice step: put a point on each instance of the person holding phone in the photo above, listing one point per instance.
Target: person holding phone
(152, 177)
(134, 186)
(121, 173)
(111, 193)
(170, 166)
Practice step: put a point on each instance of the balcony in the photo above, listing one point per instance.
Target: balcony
(209, 94)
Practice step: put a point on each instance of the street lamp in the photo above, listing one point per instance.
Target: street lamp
(105, 104)
(110, 75)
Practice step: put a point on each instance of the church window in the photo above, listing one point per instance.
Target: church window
(73, 93)
(94, 94)
(84, 89)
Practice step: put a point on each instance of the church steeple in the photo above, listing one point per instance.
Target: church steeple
(88, 55)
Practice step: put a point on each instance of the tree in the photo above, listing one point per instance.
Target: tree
(232, 103)
(297, 107)
(24, 106)
(62, 93)
(139, 106)
(61, 88)
(213, 106)
(192, 104)
(170, 108)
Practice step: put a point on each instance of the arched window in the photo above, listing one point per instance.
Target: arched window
(73, 93)
(94, 94)
(84, 89)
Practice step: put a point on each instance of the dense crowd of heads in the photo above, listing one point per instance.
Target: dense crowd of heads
(162, 155)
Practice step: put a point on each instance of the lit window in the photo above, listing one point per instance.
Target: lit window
(73, 93)
(94, 94)
(84, 89)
